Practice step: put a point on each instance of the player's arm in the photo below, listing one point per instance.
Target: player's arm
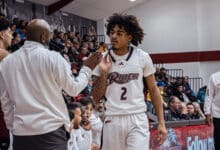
(100, 82)
(99, 86)
(158, 105)
(63, 74)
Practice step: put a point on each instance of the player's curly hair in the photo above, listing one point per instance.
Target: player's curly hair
(130, 24)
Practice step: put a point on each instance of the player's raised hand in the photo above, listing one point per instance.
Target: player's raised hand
(93, 60)
(105, 63)
(162, 133)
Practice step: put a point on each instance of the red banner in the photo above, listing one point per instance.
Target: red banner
(194, 137)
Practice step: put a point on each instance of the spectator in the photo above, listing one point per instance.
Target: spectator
(16, 42)
(176, 110)
(78, 37)
(91, 47)
(187, 88)
(85, 38)
(168, 92)
(157, 73)
(179, 92)
(96, 123)
(80, 138)
(174, 107)
(198, 110)
(22, 33)
(75, 69)
(88, 106)
(83, 53)
(184, 111)
(201, 94)
(71, 36)
(163, 76)
(191, 111)
(73, 52)
(13, 27)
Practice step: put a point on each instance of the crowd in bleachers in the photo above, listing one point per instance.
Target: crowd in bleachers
(179, 100)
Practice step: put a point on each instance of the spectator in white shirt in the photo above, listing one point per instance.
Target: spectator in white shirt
(212, 106)
(76, 118)
(33, 78)
(96, 123)
(80, 136)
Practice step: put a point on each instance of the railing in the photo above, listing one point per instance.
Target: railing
(83, 31)
(158, 63)
(174, 72)
(99, 38)
(179, 123)
(195, 83)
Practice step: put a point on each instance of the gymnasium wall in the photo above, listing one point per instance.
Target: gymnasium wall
(182, 34)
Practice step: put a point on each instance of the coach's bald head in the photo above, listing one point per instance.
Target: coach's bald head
(38, 30)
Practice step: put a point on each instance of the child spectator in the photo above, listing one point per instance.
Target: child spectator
(198, 110)
(96, 123)
(80, 135)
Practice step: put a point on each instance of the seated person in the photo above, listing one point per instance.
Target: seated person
(184, 111)
(175, 109)
(187, 88)
(198, 110)
(191, 111)
(201, 94)
(179, 92)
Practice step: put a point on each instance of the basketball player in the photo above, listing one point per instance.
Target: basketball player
(120, 81)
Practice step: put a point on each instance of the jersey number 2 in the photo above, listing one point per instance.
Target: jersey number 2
(123, 94)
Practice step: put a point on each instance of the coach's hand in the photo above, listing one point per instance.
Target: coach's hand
(93, 60)
(162, 133)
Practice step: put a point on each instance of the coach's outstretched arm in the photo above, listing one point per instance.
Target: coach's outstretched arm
(158, 105)
(70, 84)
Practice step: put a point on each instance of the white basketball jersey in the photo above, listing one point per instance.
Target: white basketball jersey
(124, 93)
